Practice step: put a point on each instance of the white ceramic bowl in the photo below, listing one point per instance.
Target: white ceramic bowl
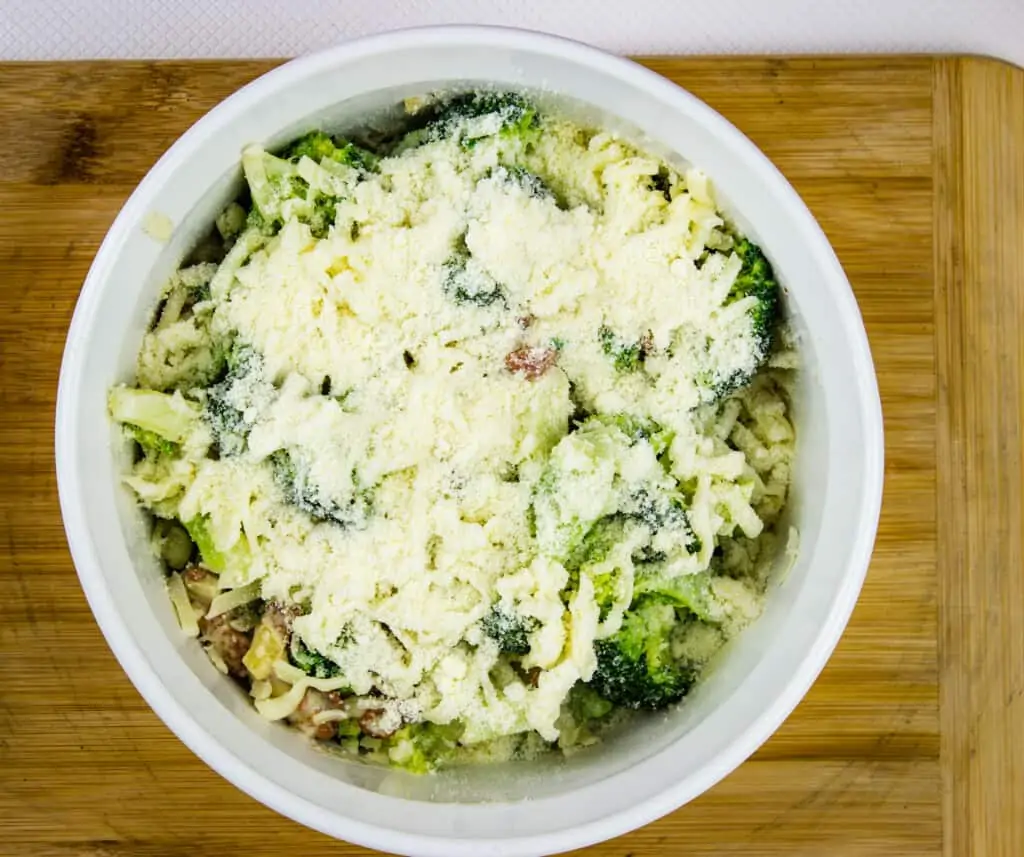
(524, 809)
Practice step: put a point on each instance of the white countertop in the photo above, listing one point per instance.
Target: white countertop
(75, 29)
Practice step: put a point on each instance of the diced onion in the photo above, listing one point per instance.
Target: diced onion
(233, 598)
(182, 605)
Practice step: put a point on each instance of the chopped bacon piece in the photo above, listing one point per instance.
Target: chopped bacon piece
(378, 723)
(195, 573)
(280, 618)
(230, 644)
(202, 585)
(312, 704)
(531, 361)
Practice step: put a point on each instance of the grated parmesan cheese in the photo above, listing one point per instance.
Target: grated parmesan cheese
(419, 453)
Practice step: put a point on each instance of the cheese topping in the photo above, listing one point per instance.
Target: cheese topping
(402, 429)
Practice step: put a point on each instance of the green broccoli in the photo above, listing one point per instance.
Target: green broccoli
(585, 704)
(423, 747)
(755, 280)
(627, 356)
(466, 283)
(661, 182)
(271, 182)
(151, 442)
(323, 215)
(638, 429)
(584, 713)
(319, 146)
(597, 543)
(225, 401)
(237, 558)
(199, 294)
(692, 592)
(509, 630)
(231, 221)
(276, 179)
(520, 177)
(635, 666)
(300, 492)
(578, 486)
(256, 221)
(473, 116)
(316, 145)
(591, 557)
(160, 422)
(310, 662)
(663, 513)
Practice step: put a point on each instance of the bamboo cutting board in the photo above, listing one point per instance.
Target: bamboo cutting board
(912, 740)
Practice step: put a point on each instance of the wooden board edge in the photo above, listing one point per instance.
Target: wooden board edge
(979, 299)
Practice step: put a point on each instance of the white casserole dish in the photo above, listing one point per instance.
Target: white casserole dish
(524, 808)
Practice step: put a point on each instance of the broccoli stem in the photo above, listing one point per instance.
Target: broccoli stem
(164, 417)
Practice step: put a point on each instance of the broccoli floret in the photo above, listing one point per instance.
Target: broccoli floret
(237, 558)
(271, 182)
(585, 704)
(318, 146)
(473, 116)
(693, 592)
(509, 630)
(310, 662)
(199, 294)
(231, 221)
(466, 283)
(592, 551)
(226, 401)
(627, 356)
(637, 429)
(151, 442)
(661, 183)
(663, 514)
(598, 542)
(520, 177)
(635, 666)
(583, 715)
(300, 492)
(255, 220)
(323, 215)
(594, 557)
(577, 487)
(755, 280)
(242, 360)
(160, 422)
(276, 180)
(556, 519)
(423, 747)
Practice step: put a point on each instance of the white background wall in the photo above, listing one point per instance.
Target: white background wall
(64, 29)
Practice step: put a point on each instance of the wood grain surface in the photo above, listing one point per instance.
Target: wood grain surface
(979, 212)
(912, 740)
